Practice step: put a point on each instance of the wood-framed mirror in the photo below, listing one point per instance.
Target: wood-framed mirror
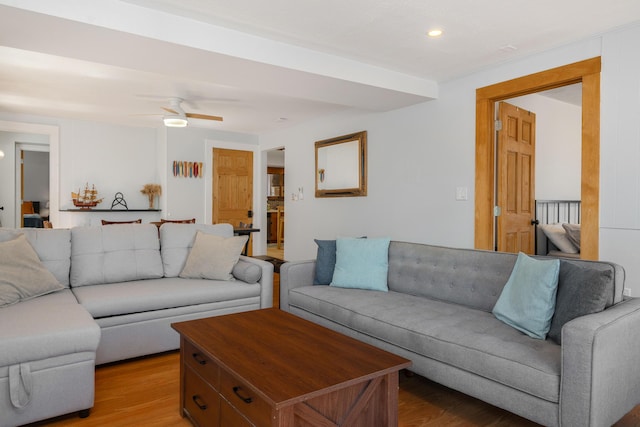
(341, 166)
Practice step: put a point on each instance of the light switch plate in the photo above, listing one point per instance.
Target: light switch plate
(462, 193)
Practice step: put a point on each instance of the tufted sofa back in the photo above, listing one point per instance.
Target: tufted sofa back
(470, 277)
(53, 247)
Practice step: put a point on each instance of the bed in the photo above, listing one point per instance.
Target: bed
(558, 228)
(31, 215)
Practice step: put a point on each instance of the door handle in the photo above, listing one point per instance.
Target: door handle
(1, 208)
(250, 214)
(535, 222)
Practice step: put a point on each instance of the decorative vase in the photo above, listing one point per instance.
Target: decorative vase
(151, 199)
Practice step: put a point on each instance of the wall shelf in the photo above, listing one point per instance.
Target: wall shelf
(110, 210)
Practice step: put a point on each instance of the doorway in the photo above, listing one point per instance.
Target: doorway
(32, 184)
(515, 179)
(10, 132)
(586, 72)
(232, 189)
(275, 214)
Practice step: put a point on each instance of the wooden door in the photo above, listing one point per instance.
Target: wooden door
(232, 187)
(516, 179)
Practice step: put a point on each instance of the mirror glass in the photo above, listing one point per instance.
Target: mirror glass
(341, 166)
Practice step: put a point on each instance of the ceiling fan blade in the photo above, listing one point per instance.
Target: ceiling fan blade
(169, 110)
(204, 116)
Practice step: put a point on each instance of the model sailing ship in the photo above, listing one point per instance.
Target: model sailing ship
(86, 199)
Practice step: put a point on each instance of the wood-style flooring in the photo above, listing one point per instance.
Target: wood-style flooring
(145, 392)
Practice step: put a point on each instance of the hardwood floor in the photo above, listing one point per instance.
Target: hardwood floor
(145, 392)
(273, 251)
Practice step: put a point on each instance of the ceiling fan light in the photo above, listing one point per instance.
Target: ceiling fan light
(175, 121)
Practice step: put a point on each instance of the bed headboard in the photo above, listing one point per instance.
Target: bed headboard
(554, 212)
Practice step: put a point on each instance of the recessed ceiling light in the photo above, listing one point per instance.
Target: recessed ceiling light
(435, 33)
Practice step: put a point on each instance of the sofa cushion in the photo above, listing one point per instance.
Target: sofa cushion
(469, 277)
(22, 274)
(157, 294)
(53, 247)
(325, 262)
(361, 263)
(469, 339)
(213, 257)
(176, 241)
(114, 253)
(581, 291)
(48, 326)
(528, 300)
(247, 271)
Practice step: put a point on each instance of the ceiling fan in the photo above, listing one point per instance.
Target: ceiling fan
(178, 117)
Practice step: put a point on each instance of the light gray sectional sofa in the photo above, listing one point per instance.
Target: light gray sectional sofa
(438, 313)
(122, 291)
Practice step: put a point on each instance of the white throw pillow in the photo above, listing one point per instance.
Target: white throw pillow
(558, 236)
(22, 274)
(213, 257)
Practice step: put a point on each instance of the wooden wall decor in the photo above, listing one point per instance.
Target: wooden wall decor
(187, 169)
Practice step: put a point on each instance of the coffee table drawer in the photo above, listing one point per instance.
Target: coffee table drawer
(245, 400)
(201, 402)
(204, 366)
(229, 416)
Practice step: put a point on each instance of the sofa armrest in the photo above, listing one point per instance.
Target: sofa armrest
(293, 275)
(266, 281)
(600, 378)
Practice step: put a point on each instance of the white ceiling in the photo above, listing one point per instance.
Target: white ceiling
(264, 65)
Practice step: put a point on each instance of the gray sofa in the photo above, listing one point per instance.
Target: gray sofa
(121, 293)
(438, 313)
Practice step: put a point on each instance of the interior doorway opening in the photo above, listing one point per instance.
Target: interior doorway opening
(275, 212)
(11, 133)
(586, 72)
(32, 184)
(556, 156)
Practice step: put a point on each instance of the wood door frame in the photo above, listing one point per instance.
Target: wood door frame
(586, 72)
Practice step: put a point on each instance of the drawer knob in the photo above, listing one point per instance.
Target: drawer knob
(198, 358)
(236, 391)
(199, 403)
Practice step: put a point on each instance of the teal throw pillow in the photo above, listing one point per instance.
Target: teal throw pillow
(362, 263)
(528, 300)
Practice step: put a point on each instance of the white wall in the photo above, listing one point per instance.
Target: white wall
(418, 155)
(558, 146)
(620, 158)
(190, 197)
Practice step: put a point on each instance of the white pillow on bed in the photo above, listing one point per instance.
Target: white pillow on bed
(573, 234)
(558, 236)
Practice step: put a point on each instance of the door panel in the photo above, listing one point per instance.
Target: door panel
(232, 187)
(516, 180)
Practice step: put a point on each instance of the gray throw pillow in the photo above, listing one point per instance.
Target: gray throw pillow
(581, 291)
(22, 274)
(325, 261)
(247, 272)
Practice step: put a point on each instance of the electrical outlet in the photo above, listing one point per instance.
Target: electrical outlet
(626, 292)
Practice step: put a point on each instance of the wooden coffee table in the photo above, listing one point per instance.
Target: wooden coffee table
(271, 368)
